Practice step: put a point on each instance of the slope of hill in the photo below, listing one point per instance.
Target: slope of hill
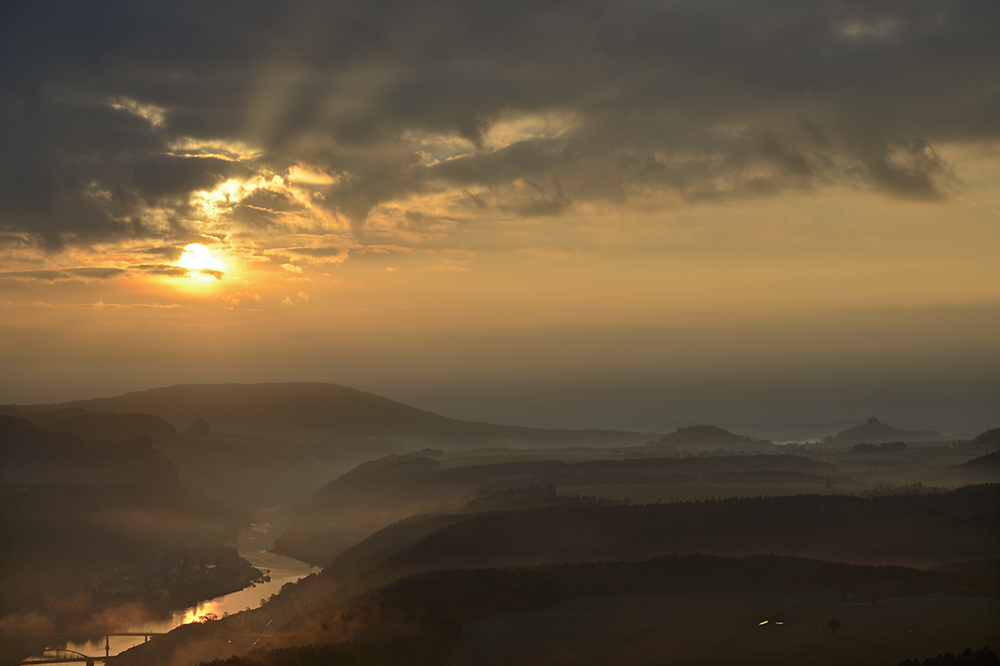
(983, 469)
(430, 615)
(691, 609)
(449, 604)
(396, 487)
(989, 439)
(913, 530)
(990, 461)
(405, 479)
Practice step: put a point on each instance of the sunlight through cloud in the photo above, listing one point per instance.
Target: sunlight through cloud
(200, 262)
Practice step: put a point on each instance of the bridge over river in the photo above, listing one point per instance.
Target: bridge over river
(68, 656)
(253, 545)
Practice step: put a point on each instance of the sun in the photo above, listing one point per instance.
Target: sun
(198, 258)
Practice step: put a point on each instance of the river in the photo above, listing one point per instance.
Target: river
(253, 546)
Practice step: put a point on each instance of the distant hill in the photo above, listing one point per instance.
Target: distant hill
(982, 469)
(261, 445)
(989, 439)
(108, 427)
(316, 407)
(918, 530)
(710, 436)
(393, 488)
(31, 454)
(408, 479)
(876, 432)
(991, 462)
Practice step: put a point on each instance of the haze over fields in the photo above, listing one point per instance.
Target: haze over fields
(436, 535)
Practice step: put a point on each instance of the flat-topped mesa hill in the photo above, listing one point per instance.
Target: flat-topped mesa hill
(305, 407)
(876, 432)
(710, 436)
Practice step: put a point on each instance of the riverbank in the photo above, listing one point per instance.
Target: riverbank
(253, 546)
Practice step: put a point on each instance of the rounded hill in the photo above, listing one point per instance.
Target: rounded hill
(276, 407)
(313, 407)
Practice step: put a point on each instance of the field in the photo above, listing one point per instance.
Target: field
(711, 629)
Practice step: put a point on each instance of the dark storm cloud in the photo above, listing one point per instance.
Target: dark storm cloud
(710, 99)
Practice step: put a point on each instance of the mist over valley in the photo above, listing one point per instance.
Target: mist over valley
(121, 510)
(492, 332)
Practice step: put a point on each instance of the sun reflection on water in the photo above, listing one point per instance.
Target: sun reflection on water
(201, 613)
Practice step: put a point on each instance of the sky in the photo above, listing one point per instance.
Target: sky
(772, 215)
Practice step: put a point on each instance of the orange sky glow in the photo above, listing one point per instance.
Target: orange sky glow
(621, 238)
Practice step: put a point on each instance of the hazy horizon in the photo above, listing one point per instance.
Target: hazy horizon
(808, 423)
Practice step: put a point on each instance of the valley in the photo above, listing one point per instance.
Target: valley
(437, 541)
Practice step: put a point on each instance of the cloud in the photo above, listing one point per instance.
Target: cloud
(108, 273)
(112, 119)
(322, 252)
(244, 298)
(909, 168)
(168, 270)
(43, 275)
(10, 240)
(170, 175)
(170, 252)
(95, 273)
